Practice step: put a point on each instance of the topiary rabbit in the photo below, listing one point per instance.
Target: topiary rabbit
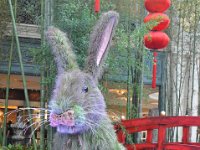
(78, 110)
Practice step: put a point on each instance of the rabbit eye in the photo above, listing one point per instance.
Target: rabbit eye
(85, 89)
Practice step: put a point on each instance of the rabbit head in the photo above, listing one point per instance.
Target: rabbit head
(77, 104)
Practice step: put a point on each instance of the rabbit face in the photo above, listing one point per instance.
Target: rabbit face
(77, 104)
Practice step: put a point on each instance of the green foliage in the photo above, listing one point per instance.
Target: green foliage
(187, 13)
(16, 147)
(77, 18)
(126, 58)
(43, 57)
(28, 11)
(4, 17)
(1, 135)
(126, 42)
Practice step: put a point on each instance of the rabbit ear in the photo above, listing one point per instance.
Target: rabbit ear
(61, 49)
(100, 42)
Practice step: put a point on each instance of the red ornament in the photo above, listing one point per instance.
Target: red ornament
(163, 20)
(156, 40)
(97, 6)
(157, 5)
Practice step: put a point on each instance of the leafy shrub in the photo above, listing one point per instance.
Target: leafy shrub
(4, 17)
(16, 147)
(28, 11)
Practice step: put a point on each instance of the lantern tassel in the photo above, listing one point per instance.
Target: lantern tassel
(97, 6)
(154, 70)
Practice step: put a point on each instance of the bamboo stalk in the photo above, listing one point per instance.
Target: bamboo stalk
(170, 100)
(189, 68)
(50, 85)
(49, 132)
(8, 86)
(170, 58)
(22, 69)
(177, 58)
(49, 138)
(199, 93)
(178, 76)
(194, 52)
(7, 92)
(128, 106)
(51, 4)
(181, 83)
(42, 85)
(143, 13)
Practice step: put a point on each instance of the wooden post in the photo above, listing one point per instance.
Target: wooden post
(149, 136)
(161, 136)
(185, 134)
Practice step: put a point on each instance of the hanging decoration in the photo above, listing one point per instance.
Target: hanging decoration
(154, 6)
(163, 20)
(97, 6)
(156, 40)
(154, 70)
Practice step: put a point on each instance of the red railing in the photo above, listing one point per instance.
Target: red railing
(161, 124)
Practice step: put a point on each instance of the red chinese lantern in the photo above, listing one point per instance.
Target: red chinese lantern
(157, 5)
(156, 40)
(163, 20)
(97, 6)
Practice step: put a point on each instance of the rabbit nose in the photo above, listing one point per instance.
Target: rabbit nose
(67, 118)
(69, 115)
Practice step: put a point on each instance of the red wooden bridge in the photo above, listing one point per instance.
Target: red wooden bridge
(161, 124)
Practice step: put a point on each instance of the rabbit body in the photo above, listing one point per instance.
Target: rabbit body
(78, 109)
(104, 138)
(97, 132)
